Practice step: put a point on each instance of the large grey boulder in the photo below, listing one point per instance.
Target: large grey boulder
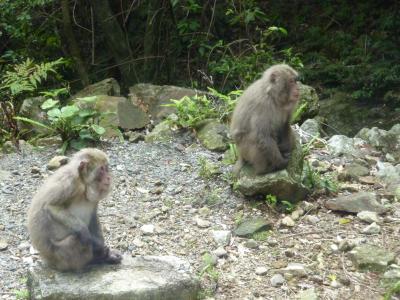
(355, 203)
(138, 278)
(386, 141)
(284, 184)
(151, 98)
(339, 145)
(213, 135)
(310, 129)
(30, 109)
(108, 86)
(105, 103)
(371, 257)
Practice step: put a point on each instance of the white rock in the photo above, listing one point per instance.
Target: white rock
(202, 223)
(372, 229)
(368, 216)
(222, 237)
(147, 229)
(220, 252)
(296, 269)
(277, 280)
(288, 221)
(312, 219)
(261, 270)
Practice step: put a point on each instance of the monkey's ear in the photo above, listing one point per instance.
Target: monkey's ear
(83, 166)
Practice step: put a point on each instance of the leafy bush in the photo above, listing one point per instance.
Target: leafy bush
(19, 81)
(192, 110)
(316, 182)
(76, 126)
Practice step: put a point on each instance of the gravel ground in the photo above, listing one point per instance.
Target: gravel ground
(160, 185)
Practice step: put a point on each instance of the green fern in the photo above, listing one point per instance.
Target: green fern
(27, 76)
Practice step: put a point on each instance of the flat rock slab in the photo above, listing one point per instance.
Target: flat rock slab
(141, 278)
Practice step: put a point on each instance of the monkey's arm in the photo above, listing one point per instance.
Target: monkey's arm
(71, 223)
(97, 236)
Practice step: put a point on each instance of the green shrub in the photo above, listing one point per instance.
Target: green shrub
(77, 127)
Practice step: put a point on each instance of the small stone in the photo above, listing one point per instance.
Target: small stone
(297, 214)
(277, 280)
(3, 245)
(372, 229)
(202, 223)
(308, 294)
(288, 221)
(24, 246)
(295, 269)
(251, 244)
(222, 237)
(392, 274)
(57, 162)
(261, 270)
(346, 245)
(312, 219)
(372, 258)
(2, 227)
(220, 252)
(289, 253)
(204, 211)
(272, 242)
(252, 225)
(35, 170)
(147, 229)
(335, 284)
(334, 248)
(368, 216)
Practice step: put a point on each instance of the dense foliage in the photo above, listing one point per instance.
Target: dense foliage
(222, 44)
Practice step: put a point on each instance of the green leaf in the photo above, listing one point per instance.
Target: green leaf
(49, 103)
(54, 113)
(98, 129)
(33, 122)
(344, 221)
(84, 113)
(69, 111)
(78, 144)
(86, 134)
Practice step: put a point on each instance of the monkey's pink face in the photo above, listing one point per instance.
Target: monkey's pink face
(103, 178)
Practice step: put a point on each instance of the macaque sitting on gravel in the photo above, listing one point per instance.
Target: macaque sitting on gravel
(62, 219)
(260, 123)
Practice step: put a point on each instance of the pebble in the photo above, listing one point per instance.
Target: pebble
(288, 221)
(261, 270)
(372, 229)
(3, 245)
(277, 280)
(312, 219)
(222, 237)
(220, 252)
(202, 223)
(147, 229)
(368, 216)
(251, 244)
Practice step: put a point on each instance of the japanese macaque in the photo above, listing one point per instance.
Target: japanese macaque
(260, 123)
(62, 219)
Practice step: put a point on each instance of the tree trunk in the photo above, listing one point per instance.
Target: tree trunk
(72, 44)
(114, 37)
